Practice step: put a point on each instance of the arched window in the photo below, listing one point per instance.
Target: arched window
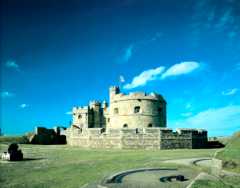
(115, 110)
(79, 116)
(136, 109)
(125, 125)
(150, 125)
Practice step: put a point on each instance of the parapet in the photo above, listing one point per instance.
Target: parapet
(162, 132)
(193, 131)
(138, 96)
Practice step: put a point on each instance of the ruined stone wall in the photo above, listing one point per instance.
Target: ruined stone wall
(43, 135)
(147, 138)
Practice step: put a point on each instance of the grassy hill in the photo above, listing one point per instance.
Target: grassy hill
(231, 154)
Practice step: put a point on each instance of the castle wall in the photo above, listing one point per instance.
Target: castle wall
(147, 138)
(93, 139)
(176, 140)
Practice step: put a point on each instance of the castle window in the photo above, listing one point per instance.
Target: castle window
(136, 109)
(115, 110)
(160, 110)
(108, 119)
(150, 125)
(125, 125)
(79, 116)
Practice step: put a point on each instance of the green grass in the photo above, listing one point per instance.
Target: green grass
(231, 154)
(65, 166)
(210, 184)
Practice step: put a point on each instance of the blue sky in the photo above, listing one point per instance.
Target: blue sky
(60, 54)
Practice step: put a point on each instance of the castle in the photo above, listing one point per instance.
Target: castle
(131, 121)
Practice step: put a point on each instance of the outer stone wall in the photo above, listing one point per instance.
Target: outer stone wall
(147, 138)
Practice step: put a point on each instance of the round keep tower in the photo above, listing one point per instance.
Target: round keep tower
(136, 110)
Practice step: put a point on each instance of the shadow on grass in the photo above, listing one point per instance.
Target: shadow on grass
(32, 159)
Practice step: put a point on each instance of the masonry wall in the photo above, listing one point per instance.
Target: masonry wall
(148, 138)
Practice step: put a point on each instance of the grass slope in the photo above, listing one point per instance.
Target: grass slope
(231, 154)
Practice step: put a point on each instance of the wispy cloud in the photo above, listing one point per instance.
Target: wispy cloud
(181, 68)
(23, 105)
(214, 119)
(12, 65)
(7, 94)
(127, 54)
(69, 113)
(224, 20)
(121, 79)
(238, 66)
(186, 114)
(188, 106)
(156, 36)
(144, 77)
(217, 17)
(230, 92)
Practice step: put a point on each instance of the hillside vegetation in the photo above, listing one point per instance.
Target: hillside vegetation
(231, 154)
(14, 139)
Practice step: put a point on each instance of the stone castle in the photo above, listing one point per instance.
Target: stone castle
(133, 121)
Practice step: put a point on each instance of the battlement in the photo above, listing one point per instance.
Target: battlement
(80, 109)
(94, 103)
(156, 130)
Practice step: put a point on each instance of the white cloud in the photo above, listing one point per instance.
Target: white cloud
(69, 113)
(23, 105)
(12, 65)
(230, 92)
(6, 94)
(121, 79)
(144, 77)
(181, 68)
(214, 119)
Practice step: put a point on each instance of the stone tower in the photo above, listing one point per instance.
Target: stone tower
(113, 90)
(136, 110)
